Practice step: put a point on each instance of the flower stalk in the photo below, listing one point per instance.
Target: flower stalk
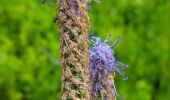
(73, 22)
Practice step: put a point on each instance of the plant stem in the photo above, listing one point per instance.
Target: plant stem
(73, 23)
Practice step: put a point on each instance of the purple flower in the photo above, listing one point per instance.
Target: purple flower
(102, 61)
(102, 56)
(74, 5)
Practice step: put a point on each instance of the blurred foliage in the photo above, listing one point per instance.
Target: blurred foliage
(29, 47)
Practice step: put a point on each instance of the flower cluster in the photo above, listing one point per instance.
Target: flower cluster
(102, 62)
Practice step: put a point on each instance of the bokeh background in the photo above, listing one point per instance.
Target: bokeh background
(30, 51)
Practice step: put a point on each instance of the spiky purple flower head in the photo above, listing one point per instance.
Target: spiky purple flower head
(103, 62)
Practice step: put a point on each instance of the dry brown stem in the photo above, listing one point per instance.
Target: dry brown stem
(74, 50)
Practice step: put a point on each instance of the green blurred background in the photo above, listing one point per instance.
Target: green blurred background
(29, 47)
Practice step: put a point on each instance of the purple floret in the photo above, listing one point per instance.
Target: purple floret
(74, 5)
(102, 61)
